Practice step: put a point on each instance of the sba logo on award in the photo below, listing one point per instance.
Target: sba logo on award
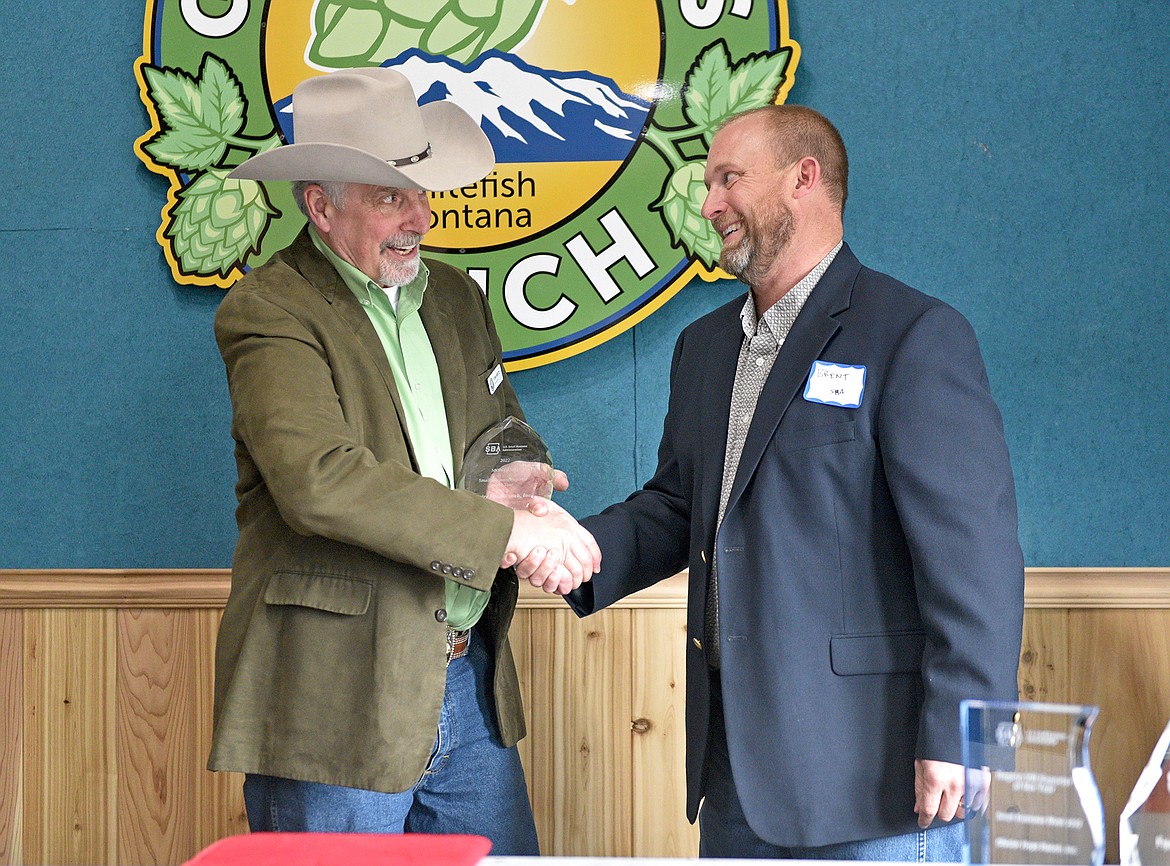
(600, 113)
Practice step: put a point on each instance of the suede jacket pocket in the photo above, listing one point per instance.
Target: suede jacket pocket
(326, 592)
(882, 653)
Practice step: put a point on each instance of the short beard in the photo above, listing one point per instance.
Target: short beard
(750, 262)
(394, 273)
(737, 261)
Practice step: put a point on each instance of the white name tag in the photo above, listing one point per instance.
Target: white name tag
(495, 379)
(835, 384)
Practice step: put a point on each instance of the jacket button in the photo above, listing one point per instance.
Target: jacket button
(457, 572)
(703, 556)
(441, 614)
(436, 565)
(469, 574)
(698, 643)
(446, 569)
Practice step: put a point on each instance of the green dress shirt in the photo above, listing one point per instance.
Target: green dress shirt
(408, 349)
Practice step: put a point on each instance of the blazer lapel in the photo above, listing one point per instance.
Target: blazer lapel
(317, 270)
(810, 333)
(723, 348)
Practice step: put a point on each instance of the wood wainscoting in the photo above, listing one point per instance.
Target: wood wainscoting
(106, 678)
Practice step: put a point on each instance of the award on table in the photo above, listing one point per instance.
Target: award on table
(1145, 820)
(1030, 794)
(510, 464)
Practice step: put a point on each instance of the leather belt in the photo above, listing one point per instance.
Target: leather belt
(458, 642)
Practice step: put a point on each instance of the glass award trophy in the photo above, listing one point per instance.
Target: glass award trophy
(1030, 794)
(510, 464)
(1145, 820)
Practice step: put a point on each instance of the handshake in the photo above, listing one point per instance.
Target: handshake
(548, 547)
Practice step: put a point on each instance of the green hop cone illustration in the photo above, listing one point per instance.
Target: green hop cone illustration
(348, 33)
(715, 89)
(680, 204)
(218, 221)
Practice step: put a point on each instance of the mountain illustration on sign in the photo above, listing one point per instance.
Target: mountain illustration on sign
(529, 114)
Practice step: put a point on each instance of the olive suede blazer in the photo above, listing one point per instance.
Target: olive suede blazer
(330, 661)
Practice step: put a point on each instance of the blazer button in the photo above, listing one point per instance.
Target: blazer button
(703, 556)
(457, 572)
(469, 574)
(446, 569)
(436, 565)
(441, 614)
(698, 643)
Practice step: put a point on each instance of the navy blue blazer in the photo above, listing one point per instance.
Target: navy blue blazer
(870, 571)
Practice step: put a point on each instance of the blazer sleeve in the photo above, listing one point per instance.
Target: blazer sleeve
(946, 461)
(646, 538)
(288, 415)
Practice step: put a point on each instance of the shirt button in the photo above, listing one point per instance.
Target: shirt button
(760, 362)
(441, 614)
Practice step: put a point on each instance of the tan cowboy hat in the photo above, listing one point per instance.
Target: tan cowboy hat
(365, 126)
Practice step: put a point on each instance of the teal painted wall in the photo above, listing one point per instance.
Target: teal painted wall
(1012, 158)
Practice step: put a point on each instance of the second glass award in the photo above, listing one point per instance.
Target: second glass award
(1030, 794)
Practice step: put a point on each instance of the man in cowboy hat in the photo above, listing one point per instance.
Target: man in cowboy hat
(364, 681)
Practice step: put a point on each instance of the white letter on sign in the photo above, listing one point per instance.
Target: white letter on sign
(596, 265)
(705, 13)
(516, 300)
(214, 26)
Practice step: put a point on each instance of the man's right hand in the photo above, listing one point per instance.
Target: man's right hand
(568, 554)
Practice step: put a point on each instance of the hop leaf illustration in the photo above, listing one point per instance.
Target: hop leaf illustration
(218, 222)
(679, 204)
(715, 89)
(350, 33)
(199, 115)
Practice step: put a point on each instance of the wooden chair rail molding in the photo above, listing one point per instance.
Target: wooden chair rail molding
(181, 588)
(106, 683)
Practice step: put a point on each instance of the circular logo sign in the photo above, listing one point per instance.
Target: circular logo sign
(600, 114)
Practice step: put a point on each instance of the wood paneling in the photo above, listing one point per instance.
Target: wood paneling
(106, 720)
(658, 675)
(11, 735)
(70, 776)
(579, 713)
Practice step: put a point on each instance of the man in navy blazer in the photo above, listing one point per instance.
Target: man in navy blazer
(833, 471)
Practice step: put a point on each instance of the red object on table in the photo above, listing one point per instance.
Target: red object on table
(343, 849)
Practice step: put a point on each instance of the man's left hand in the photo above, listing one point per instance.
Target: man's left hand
(938, 791)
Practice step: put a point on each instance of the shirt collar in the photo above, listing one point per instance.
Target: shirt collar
(410, 295)
(778, 318)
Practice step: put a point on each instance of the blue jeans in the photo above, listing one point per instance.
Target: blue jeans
(471, 784)
(724, 830)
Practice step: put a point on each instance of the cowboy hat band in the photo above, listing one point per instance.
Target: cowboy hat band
(365, 126)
